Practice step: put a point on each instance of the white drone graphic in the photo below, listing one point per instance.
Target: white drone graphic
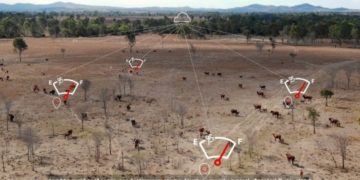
(209, 139)
(303, 89)
(135, 63)
(182, 17)
(60, 80)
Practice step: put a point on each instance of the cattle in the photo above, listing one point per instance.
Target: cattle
(184, 78)
(309, 98)
(235, 112)
(290, 158)
(36, 89)
(118, 98)
(137, 144)
(227, 99)
(203, 132)
(241, 77)
(277, 136)
(68, 134)
(259, 93)
(128, 107)
(11, 117)
(219, 74)
(1, 64)
(52, 92)
(262, 87)
(257, 107)
(133, 123)
(1, 79)
(335, 122)
(241, 86)
(263, 110)
(222, 96)
(207, 73)
(276, 113)
(45, 91)
(8, 78)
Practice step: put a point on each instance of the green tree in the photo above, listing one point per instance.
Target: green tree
(20, 46)
(131, 38)
(54, 27)
(355, 34)
(326, 94)
(335, 33)
(294, 32)
(313, 114)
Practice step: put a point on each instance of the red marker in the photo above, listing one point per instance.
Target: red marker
(217, 162)
(297, 95)
(71, 87)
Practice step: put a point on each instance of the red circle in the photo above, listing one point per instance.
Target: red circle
(217, 162)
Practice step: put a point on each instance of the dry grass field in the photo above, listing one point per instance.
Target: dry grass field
(160, 98)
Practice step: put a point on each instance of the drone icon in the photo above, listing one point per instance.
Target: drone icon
(225, 153)
(72, 89)
(302, 90)
(135, 63)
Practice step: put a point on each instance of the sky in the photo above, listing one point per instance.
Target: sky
(351, 4)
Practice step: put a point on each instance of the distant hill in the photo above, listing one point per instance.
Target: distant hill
(72, 7)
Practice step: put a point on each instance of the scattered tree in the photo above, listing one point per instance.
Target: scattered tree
(131, 38)
(85, 86)
(97, 138)
(30, 138)
(20, 46)
(259, 46)
(8, 104)
(326, 93)
(313, 114)
(342, 142)
(104, 98)
(181, 111)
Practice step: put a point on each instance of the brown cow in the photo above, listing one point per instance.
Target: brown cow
(290, 158)
(259, 93)
(335, 122)
(277, 136)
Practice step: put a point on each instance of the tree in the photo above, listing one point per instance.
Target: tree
(181, 110)
(342, 142)
(294, 32)
(97, 138)
(8, 104)
(355, 34)
(131, 38)
(335, 33)
(20, 46)
(85, 86)
(259, 46)
(19, 122)
(326, 93)
(247, 34)
(313, 114)
(4, 152)
(63, 50)
(104, 98)
(30, 138)
(109, 133)
(162, 35)
(81, 111)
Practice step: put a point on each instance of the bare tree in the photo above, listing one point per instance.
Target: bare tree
(8, 103)
(81, 111)
(104, 98)
(30, 138)
(326, 147)
(4, 152)
(85, 86)
(123, 81)
(251, 136)
(131, 86)
(109, 134)
(342, 142)
(181, 111)
(192, 48)
(19, 122)
(97, 137)
(259, 46)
